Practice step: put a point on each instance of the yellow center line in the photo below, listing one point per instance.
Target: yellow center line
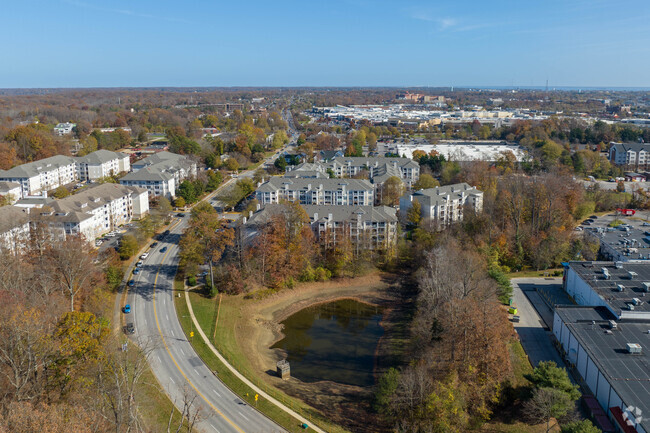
(172, 357)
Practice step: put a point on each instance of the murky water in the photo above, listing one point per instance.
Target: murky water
(334, 341)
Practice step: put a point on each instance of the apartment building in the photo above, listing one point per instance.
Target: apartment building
(635, 155)
(157, 182)
(11, 191)
(180, 166)
(378, 168)
(98, 210)
(443, 205)
(102, 163)
(14, 227)
(366, 227)
(64, 128)
(338, 192)
(42, 175)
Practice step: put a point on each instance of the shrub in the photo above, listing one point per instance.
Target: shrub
(191, 281)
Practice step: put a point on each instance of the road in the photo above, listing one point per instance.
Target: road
(534, 329)
(173, 361)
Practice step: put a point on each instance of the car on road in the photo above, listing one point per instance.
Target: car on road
(645, 224)
(127, 309)
(180, 215)
(154, 245)
(163, 249)
(144, 256)
(131, 283)
(129, 328)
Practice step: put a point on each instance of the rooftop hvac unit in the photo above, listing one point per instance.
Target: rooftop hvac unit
(605, 273)
(612, 324)
(630, 307)
(619, 288)
(618, 265)
(637, 301)
(634, 348)
(632, 274)
(646, 286)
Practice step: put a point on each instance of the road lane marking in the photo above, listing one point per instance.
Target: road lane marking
(245, 417)
(215, 429)
(155, 282)
(215, 391)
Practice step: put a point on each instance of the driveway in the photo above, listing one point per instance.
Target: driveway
(536, 320)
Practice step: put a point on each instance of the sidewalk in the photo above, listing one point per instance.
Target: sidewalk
(240, 376)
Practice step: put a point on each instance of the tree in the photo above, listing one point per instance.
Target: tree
(620, 186)
(232, 164)
(425, 181)
(280, 164)
(72, 265)
(391, 191)
(61, 192)
(414, 214)
(548, 375)
(128, 247)
(584, 426)
(548, 403)
(385, 390)
(179, 202)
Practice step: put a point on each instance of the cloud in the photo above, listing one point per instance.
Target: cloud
(443, 23)
(123, 12)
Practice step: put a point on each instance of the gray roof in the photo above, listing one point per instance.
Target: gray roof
(101, 156)
(358, 161)
(277, 183)
(433, 196)
(634, 146)
(329, 154)
(629, 375)
(147, 174)
(159, 157)
(591, 273)
(93, 197)
(385, 171)
(7, 186)
(11, 217)
(35, 201)
(32, 169)
(623, 241)
(306, 174)
(338, 213)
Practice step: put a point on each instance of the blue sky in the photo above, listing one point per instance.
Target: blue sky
(107, 43)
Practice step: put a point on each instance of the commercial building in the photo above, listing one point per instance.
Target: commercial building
(102, 163)
(42, 175)
(339, 192)
(98, 210)
(443, 205)
(14, 227)
(607, 335)
(635, 155)
(624, 243)
(11, 191)
(457, 150)
(365, 227)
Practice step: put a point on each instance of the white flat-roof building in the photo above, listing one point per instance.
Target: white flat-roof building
(64, 128)
(464, 150)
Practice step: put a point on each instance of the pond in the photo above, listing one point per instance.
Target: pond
(334, 341)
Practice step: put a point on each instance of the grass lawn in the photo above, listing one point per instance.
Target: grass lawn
(155, 412)
(204, 309)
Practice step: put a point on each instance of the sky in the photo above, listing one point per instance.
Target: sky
(402, 43)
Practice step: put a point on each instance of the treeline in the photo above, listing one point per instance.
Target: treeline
(61, 368)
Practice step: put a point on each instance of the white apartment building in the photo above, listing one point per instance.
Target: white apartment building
(630, 154)
(158, 183)
(14, 227)
(443, 205)
(12, 191)
(102, 163)
(98, 210)
(180, 166)
(338, 192)
(42, 175)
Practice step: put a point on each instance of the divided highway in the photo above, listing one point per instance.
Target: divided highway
(173, 360)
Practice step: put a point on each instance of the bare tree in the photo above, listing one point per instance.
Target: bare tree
(191, 411)
(72, 264)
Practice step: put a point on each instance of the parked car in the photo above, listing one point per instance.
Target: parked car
(140, 263)
(180, 215)
(131, 283)
(127, 309)
(163, 249)
(129, 328)
(144, 256)
(645, 224)
(136, 271)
